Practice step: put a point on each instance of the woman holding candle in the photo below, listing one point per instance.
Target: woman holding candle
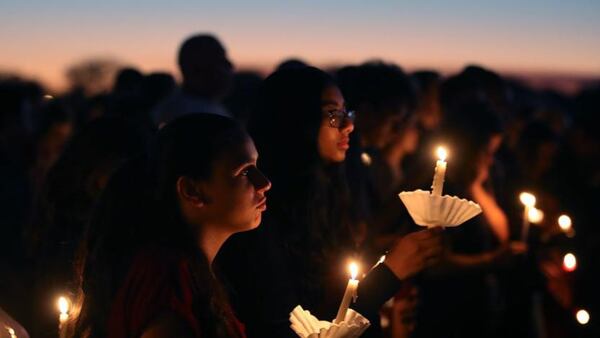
(155, 233)
(459, 295)
(298, 255)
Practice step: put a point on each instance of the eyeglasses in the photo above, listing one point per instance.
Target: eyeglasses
(340, 118)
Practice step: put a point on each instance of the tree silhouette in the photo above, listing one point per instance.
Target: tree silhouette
(94, 75)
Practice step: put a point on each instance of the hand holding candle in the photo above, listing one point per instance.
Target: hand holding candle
(431, 209)
(440, 172)
(349, 294)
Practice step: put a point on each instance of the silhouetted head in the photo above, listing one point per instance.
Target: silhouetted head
(291, 64)
(428, 107)
(128, 81)
(473, 134)
(476, 85)
(205, 68)
(383, 97)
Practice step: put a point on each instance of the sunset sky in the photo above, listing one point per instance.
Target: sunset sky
(42, 38)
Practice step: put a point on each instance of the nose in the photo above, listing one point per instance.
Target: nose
(348, 127)
(261, 182)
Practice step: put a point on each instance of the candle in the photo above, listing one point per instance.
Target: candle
(349, 294)
(440, 172)
(528, 201)
(535, 215)
(63, 307)
(569, 262)
(583, 317)
(11, 332)
(564, 222)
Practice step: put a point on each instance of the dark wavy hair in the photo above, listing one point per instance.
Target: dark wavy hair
(139, 209)
(309, 201)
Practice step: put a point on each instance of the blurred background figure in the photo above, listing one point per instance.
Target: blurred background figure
(241, 100)
(64, 206)
(463, 297)
(207, 78)
(383, 98)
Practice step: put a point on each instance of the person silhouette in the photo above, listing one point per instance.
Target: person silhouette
(207, 76)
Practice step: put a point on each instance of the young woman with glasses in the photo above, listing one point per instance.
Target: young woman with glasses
(300, 252)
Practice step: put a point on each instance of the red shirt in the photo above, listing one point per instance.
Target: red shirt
(158, 281)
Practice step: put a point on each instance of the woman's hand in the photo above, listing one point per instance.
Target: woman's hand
(415, 252)
(507, 252)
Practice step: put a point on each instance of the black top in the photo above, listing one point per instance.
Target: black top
(265, 285)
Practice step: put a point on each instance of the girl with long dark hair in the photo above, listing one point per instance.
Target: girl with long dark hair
(299, 254)
(158, 227)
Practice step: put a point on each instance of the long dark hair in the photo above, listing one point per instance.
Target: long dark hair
(139, 209)
(309, 201)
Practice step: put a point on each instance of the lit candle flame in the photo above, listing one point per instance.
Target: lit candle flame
(353, 270)
(564, 222)
(535, 215)
(63, 305)
(527, 199)
(569, 262)
(583, 317)
(442, 153)
(366, 159)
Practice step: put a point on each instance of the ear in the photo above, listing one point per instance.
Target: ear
(190, 191)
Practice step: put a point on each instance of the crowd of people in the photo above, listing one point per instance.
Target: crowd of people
(211, 208)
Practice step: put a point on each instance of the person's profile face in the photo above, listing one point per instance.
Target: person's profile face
(237, 189)
(333, 142)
